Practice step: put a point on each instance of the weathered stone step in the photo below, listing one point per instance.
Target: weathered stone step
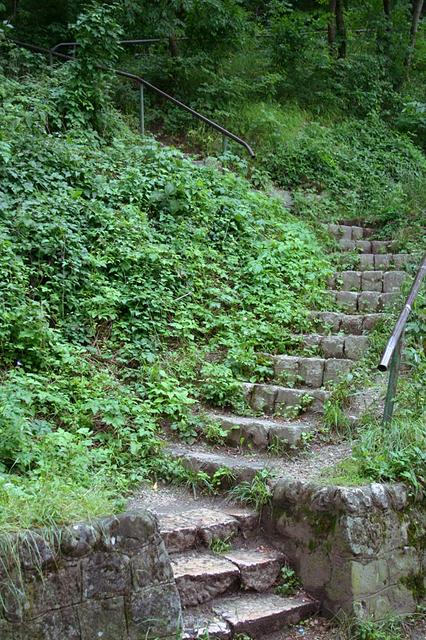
(243, 468)
(254, 615)
(195, 527)
(310, 372)
(377, 261)
(261, 433)
(354, 324)
(261, 614)
(366, 246)
(349, 232)
(380, 281)
(352, 347)
(365, 301)
(273, 399)
(200, 577)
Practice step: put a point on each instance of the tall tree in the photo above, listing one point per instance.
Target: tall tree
(341, 29)
(387, 8)
(331, 29)
(384, 36)
(416, 12)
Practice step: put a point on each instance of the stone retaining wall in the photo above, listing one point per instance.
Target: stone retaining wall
(358, 550)
(110, 579)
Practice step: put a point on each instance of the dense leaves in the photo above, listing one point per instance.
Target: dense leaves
(116, 256)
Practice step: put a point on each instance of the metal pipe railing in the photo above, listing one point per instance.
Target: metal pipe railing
(144, 83)
(60, 45)
(391, 358)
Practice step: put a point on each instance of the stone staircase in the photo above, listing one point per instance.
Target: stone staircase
(233, 592)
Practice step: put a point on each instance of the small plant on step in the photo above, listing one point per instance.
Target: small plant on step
(256, 492)
(278, 446)
(214, 433)
(293, 411)
(219, 545)
(289, 582)
(222, 478)
(197, 480)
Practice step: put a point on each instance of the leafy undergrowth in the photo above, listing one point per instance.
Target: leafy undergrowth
(134, 284)
(395, 451)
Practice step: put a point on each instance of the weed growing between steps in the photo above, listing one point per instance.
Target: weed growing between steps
(256, 492)
(289, 583)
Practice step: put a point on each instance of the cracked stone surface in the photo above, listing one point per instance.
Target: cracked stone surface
(256, 614)
(258, 569)
(201, 577)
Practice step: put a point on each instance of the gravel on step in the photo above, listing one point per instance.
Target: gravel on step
(304, 466)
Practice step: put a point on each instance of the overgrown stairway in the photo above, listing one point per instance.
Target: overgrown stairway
(233, 592)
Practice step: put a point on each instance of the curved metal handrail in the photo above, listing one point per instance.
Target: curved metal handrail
(392, 354)
(144, 83)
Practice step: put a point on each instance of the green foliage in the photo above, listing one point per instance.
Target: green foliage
(289, 583)
(372, 630)
(256, 492)
(220, 545)
(85, 97)
(113, 302)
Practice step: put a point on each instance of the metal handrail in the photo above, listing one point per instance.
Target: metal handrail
(391, 358)
(60, 45)
(144, 83)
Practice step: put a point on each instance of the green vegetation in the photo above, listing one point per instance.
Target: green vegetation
(136, 285)
(257, 492)
(219, 545)
(388, 629)
(113, 300)
(289, 583)
(396, 451)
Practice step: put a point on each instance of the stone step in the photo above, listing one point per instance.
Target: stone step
(200, 577)
(257, 615)
(350, 232)
(377, 261)
(309, 372)
(380, 281)
(365, 301)
(350, 347)
(273, 399)
(243, 468)
(195, 527)
(366, 246)
(261, 433)
(354, 324)
(250, 615)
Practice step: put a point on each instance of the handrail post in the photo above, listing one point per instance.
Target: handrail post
(394, 366)
(142, 109)
(224, 145)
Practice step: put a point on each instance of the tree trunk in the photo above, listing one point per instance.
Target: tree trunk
(341, 29)
(387, 8)
(384, 38)
(416, 12)
(173, 48)
(331, 28)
